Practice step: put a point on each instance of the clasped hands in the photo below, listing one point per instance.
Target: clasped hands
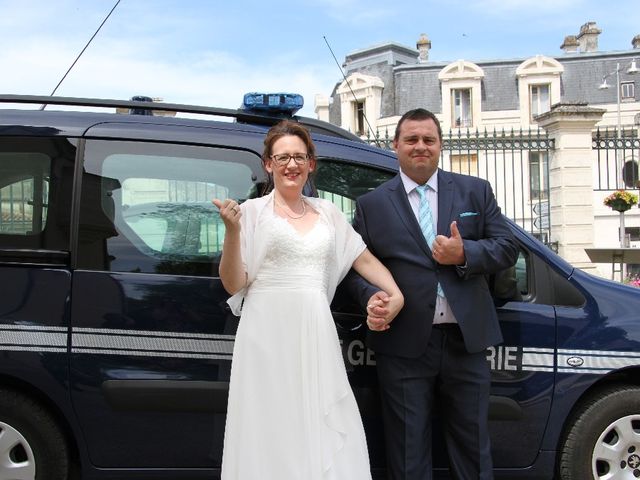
(382, 309)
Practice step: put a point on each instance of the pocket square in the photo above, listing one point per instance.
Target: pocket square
(468, 214)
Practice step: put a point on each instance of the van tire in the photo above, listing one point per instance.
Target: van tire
(602, 420)
(41, 448)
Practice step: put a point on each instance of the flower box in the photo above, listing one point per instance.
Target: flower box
(621, 200)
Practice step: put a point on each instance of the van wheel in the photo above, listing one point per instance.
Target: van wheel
(31, 443)
(603, 441)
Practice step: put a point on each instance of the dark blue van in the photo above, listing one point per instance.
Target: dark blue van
(116, 339)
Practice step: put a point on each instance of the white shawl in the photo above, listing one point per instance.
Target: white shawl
(348, 243)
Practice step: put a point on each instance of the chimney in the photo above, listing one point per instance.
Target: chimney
(636, 42)
(588, 37)
(423, 45)
(570, 44)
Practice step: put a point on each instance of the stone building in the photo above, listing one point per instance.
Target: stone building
(385, 80)
(513, 94)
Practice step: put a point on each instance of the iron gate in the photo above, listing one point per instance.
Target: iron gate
(617, 159)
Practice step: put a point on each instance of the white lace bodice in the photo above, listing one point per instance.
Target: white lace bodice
(295, 260)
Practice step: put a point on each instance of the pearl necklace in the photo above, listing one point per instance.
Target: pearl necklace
(304, 210)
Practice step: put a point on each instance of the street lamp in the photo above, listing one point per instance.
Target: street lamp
(631, 70)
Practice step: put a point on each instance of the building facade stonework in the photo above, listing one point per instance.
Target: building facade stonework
(384, 81)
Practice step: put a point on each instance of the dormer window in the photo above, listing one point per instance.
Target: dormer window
(461, 94)
(359, 118)
(538, 86)
(461, 114)
(627, 91)
(360, 100)
(540, 100)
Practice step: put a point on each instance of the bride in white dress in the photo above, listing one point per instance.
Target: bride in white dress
(291, 412)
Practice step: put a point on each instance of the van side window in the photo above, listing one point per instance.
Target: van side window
(147, 207)
(532, 280)
(522, 279)
(36, 175)
(343, 183)
(24, 192)
(511, 284)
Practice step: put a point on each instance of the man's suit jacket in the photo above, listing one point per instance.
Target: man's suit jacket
(390, 229)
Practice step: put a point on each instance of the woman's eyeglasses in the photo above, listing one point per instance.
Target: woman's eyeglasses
(284, 158)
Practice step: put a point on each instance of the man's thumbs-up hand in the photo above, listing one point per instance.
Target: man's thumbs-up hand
(449, 250)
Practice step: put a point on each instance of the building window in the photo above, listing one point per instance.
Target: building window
(630, 174)
(466, 164)
(540, 100)
(632, 237)
(360, 96)
(538, 175)
(461, 105)
(359, 115)
(627, 91)
(634, 233)
(539, 86)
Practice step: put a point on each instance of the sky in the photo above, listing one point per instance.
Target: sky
(211, 52)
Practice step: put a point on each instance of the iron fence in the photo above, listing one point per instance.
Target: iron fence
(617, 159)
(515, 162)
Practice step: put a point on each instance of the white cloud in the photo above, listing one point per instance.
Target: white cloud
(131, 63)
(115, 71)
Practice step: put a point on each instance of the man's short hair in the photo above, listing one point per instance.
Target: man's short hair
(418, 114)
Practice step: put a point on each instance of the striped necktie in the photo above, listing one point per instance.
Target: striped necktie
(425, 219)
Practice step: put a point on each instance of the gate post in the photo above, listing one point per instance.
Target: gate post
(571, 179)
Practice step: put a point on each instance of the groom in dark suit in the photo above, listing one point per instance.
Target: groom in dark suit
(440, 234)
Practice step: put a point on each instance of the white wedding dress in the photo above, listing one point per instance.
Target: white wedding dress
(291, 413)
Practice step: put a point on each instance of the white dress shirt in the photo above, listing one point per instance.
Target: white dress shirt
(443, 313)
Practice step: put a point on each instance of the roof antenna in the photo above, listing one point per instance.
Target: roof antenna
(375, 137)
(80, 54)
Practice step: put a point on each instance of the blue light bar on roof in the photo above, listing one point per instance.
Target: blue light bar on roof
(288, 103)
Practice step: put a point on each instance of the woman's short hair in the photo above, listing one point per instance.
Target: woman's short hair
(284, 128)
